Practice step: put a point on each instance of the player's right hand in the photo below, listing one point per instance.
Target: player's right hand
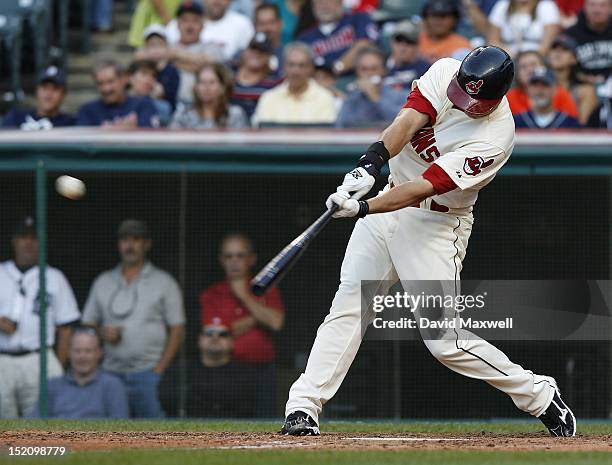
(348, 207)
(357, 182)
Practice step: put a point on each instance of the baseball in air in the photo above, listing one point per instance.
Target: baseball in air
(69, 187)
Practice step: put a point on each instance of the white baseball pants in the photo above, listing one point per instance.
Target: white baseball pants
(409, 244)
(19, 382)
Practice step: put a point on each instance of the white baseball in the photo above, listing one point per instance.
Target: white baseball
(69, 187)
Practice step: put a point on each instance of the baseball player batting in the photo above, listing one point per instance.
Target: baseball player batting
(448, 142)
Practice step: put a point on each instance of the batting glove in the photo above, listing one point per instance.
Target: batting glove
(349, 207)
(358, 182)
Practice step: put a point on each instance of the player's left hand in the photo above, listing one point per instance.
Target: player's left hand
(358, 181)
(349, 207)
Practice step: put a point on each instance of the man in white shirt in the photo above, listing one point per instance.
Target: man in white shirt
(20, 320)
(228, 30)
(299, 99)
(188, 52)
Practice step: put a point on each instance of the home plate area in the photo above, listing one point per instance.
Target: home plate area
(98, 440)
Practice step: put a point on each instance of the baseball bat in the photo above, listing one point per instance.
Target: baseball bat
(286, 258)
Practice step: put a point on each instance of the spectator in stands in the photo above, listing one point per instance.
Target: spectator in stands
(324, 76)
(211, 109)
(405, 63)
(138, 309)
(189, 53)
(251, 319)
(156, 49)
(148, 13)
(220, 386)
(20, 319)
(521, 25)
(339, 36)
(438, 38)
(526, 64)
(593, 35)
(299, 99)
(370, 102)
(562, 60)
(86, 391)
(227, 29)
(296, 16)
(601, 118)
(47, 114)
(474, 17)
(116, 108)
(542, 115)
(268, 21)
(143, 83)
(254, 75)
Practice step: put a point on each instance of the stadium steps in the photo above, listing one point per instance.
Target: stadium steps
(113, 45)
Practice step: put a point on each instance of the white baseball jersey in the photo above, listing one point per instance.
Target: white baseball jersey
(470, 151)
(19, 303)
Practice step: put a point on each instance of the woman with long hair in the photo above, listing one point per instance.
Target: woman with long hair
(563, 62)
(211, 108)
(520, 25)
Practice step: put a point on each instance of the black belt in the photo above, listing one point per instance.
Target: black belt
(21, 353)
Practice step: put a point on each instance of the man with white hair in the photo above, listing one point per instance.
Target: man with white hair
(299, 99)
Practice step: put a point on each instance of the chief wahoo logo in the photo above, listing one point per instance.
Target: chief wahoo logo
(473, 87)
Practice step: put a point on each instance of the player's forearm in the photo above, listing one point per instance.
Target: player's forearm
(402, 129)
(404, 195)
(175, 339)
(267, 316)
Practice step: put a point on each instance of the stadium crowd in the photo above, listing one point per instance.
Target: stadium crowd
(329, 63)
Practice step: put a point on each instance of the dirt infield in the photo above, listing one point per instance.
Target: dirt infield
(90, 440)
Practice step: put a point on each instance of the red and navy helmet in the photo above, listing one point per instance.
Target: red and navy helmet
(484, 77)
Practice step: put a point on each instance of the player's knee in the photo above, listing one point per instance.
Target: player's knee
(441, 349)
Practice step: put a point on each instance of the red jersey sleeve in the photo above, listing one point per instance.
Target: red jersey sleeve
(418, 102)
(441, 182)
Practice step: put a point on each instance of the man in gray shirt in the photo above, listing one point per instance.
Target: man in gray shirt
(139, 310)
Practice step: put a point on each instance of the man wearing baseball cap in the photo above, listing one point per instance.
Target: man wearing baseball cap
(254, 75)
(405, 63)
(438, 38)
(542, 115)
(50, 93)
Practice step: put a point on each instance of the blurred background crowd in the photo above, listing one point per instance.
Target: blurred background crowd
(236, 64)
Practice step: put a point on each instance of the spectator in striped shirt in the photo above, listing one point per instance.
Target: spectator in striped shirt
(253, 76)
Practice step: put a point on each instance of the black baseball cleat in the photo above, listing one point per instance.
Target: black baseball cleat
(299, 423)
(559, 418)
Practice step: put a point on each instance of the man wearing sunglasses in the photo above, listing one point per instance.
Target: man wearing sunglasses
(220, 386)
(139, 311)
(405, 63)
(252, 320)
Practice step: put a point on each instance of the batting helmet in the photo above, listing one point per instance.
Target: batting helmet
(484, 77)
